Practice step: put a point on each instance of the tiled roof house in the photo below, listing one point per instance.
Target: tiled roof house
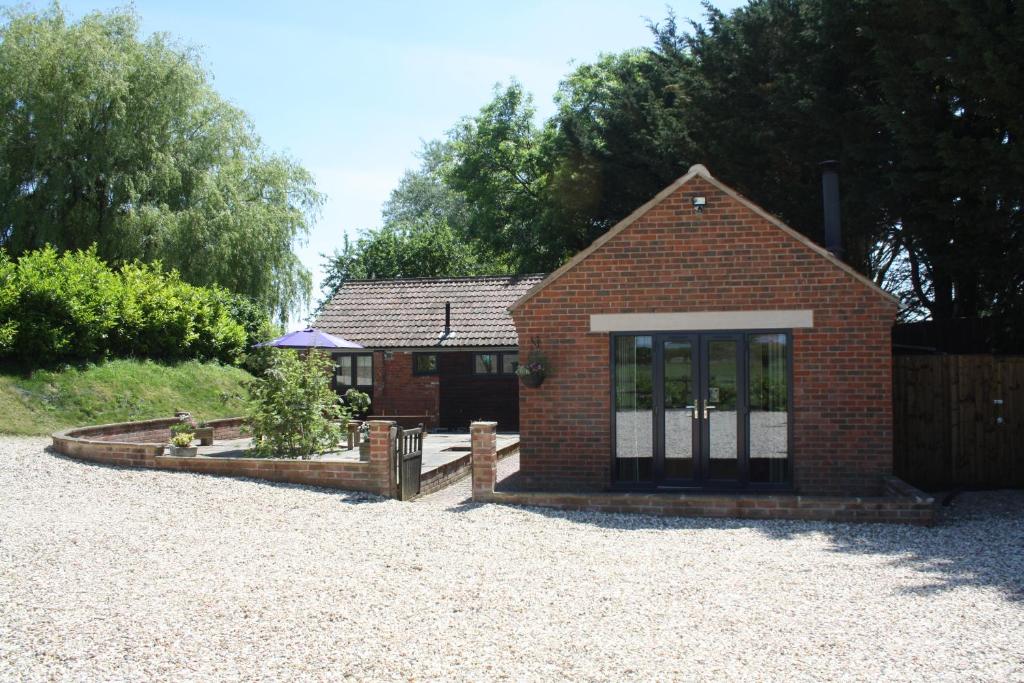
(438, 350)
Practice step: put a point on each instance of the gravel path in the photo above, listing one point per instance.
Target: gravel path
(140, 575)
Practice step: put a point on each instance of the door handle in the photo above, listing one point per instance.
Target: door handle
(696, 410)
(707, 410)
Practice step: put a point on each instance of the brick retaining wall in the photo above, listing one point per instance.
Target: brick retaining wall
(123, 445)
(900, 502)
(449, 473)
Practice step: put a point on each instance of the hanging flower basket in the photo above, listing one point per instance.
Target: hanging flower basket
(532, 380)
(532, 374)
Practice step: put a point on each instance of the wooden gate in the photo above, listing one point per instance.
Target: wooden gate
(959, 421)
(409, 461)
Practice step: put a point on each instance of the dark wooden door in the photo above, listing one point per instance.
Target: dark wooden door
(465, 397)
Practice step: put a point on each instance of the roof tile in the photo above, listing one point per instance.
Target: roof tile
(410, 312)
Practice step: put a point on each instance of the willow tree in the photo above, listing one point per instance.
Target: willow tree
(111, 139)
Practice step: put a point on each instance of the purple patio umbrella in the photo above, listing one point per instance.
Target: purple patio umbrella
(311, 338)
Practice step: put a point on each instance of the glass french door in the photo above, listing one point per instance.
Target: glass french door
(694, 410)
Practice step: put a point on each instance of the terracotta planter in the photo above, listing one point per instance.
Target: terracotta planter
(533, 380)
(205, 436)
(183, 451)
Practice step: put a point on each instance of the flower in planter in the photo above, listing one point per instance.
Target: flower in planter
(532, 372)
(182, 439)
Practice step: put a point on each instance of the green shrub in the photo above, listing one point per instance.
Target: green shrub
(291, 406)
(162, 317)
(72, 308)
(358, 402)
(8, 299)
(183, 439)
(65, 307)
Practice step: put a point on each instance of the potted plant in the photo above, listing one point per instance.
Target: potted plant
(183, 427)
(532, 373)
(204, 432)
(181, 445)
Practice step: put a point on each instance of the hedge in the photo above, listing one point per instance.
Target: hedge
(72, 307)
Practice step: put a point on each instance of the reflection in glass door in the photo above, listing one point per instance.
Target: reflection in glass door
(634, 408)
(720, 409)
(679, 396)
(768, 434)
(709, 409)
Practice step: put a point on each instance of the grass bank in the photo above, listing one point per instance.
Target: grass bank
(115, 392)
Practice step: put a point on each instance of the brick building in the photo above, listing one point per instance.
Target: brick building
(701, 343)
(440, 351)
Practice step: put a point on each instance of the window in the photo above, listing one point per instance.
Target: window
(364, 371)
(509, 362)
(485, 363)
(353, 370)
(343, 373)
(504, 363)
(424, 363)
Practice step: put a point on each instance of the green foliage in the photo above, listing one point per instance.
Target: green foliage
(182, 428)
(71, 308)
(163, 317)
(118, 391)
(183, 439)
(112, 140)
(8, 298)
(920, 103)
(424, 234)
(501, 166)
(65, 307)
(357, 401)
(292, 406)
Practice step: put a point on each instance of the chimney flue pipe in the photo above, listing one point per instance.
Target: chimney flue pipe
(830, 199)
(447, 317)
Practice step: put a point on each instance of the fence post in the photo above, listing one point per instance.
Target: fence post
(484, 442)
(382, 457)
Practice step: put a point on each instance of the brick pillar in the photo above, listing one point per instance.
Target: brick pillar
(382, 457)
(485, 458)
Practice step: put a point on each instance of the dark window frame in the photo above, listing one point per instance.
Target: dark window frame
(354, 369)
(499, 365)
(425, 373)
(743, 373)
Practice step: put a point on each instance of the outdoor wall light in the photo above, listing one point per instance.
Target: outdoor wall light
(699, 203)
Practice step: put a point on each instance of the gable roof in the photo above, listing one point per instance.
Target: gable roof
(409, 312)
(698, 170)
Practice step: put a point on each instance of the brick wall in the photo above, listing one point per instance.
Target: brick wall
(397, 391)
(899, 503)
(116, 448)
(729, 257)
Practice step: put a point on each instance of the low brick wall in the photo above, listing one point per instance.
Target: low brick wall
(449, 473)
(228, 428)
(122, 445)
(154, 431)
(899, 503)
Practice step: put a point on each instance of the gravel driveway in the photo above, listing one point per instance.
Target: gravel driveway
(120, 574)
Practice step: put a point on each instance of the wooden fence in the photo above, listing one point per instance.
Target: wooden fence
(959, 421)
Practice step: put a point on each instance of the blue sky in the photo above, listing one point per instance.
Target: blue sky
(351, 89)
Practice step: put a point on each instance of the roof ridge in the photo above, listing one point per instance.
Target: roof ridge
(464, 278)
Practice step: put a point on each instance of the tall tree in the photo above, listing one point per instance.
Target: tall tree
(951, 86)
(501, 165)
(109, 139)
(425, 233)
